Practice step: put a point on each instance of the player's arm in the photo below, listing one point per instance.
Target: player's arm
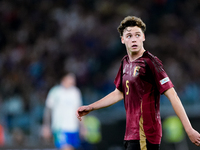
(47, 116)
(180, 111)
(106, 101)
(46, 127)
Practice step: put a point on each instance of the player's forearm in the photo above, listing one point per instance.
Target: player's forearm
(179, 109)
(47, 116)
(108, 100)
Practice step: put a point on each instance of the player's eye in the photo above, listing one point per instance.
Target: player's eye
(137, 35)
(128, 36)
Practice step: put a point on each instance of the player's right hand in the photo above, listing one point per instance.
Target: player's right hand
(82, 111)
(46, 132)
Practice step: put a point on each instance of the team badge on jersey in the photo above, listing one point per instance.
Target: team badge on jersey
(136, 71)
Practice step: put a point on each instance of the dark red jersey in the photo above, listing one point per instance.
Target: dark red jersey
(142, 82)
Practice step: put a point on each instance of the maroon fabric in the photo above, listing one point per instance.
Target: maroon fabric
(142, 81)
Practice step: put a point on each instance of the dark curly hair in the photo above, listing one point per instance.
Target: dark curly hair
(131, 21)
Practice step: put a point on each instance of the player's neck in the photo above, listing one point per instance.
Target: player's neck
(135, 55)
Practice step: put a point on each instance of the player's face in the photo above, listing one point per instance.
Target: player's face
(133, 38)
(68, 81)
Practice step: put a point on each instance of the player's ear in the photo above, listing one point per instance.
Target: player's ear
(122, 39)
(143, 37)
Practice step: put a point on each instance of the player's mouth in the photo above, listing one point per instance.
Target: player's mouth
(134, 46)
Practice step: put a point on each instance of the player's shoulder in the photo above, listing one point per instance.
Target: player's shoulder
(54, 88)
(151, 59)
(124, 58)
(149, 55)
(153, 62)
(76, 89)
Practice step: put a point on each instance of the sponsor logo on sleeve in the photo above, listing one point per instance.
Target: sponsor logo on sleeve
(165, 80)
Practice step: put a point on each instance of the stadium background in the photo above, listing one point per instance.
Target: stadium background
(40, 38)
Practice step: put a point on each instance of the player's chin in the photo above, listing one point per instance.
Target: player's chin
(134, 49)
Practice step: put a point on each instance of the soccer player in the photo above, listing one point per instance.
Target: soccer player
(140, 81)
(61, 103)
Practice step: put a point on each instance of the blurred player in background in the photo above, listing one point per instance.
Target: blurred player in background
(140, 81)
(61, 104)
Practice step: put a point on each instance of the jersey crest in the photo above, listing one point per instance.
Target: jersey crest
(132, 71)
(136, 71)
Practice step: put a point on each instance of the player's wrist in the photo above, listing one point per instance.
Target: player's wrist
(188, 129)
(91, 107)
(46, 125)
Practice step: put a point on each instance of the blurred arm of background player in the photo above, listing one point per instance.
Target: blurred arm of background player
(46, 127)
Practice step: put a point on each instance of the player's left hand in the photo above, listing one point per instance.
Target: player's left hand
(194, 136)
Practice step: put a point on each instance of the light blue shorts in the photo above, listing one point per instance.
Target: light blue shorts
(66, 138)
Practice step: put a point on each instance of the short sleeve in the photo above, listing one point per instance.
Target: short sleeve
(50, 97)
(162, 80)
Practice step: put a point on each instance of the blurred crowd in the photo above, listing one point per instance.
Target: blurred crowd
(41, 38)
